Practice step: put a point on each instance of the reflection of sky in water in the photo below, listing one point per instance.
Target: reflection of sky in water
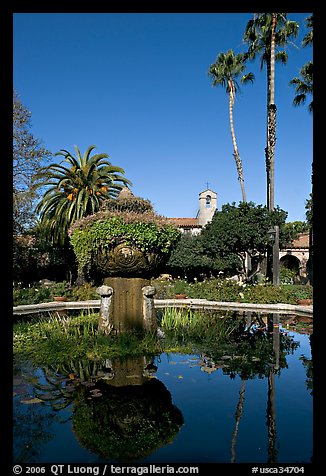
(208, 402)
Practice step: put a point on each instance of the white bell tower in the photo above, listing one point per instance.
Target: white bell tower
(207, 206)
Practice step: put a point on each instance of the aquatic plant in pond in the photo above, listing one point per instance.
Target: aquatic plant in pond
(45, 340)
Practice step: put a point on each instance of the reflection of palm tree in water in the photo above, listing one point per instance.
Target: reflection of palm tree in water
(238, 415)
(272, 327)
(273, 324)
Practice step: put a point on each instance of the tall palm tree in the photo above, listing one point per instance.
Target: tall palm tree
(76, 190)
(304, 83)
(225, 72)
(309, 36)
(265, 33)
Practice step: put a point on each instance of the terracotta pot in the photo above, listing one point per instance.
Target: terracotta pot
(305, 302)
(59, 298)
(180, 296)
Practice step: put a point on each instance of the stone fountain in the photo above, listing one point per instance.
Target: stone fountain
(124, 261)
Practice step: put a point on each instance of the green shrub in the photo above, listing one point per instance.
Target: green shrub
(61, 288)
(267, 294)
(31, 295)
(287, 275)
(215, 289)
(86, 292)
(303, 291)
(220, 289)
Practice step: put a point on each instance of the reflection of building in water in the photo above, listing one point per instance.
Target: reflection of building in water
(207, 364)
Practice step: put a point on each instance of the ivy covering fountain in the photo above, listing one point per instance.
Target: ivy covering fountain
(122, 246)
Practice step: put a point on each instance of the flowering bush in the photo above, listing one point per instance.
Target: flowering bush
(31, 295)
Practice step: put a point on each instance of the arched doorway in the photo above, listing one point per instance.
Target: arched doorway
(290, 268)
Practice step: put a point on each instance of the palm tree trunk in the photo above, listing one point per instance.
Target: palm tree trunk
(235, 147)
(272, 254)
(271, 120)
(273, 326)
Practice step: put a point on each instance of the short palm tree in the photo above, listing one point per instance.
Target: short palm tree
(225, 72)
(76, 190)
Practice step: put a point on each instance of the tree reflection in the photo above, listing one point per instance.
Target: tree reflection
(31, 422)
(256, 347)
(120, 410)
(273, 328)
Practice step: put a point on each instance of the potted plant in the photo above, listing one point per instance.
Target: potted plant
(59, 291)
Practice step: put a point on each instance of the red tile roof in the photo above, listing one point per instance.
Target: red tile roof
(301, 242)
(185, 222)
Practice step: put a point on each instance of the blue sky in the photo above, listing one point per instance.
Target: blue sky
(136, 85)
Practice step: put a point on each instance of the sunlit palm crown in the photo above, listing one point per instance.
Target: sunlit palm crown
(258, 35)
(227, 68)
(75, 188)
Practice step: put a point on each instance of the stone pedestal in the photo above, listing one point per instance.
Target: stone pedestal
(132, 371)
(128, 305)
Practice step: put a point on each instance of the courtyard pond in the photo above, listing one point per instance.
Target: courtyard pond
(245, 397)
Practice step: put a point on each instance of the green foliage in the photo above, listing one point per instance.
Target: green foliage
(296, 227)
(243, 229)
(258, 35)
(54, 340)
(303, 85)
(86, 292)
(35, 258)
(301, 291)
(268, 294)
(33, 295)
(309, 210)
(196, 324)
(100, 232)
(61, 288)
(190, 259)
(39, 293)
(227, 290)
(128, 203)
(28, 154)
(287, 275)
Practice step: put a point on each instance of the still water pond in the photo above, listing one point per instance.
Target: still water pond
(212, 407)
